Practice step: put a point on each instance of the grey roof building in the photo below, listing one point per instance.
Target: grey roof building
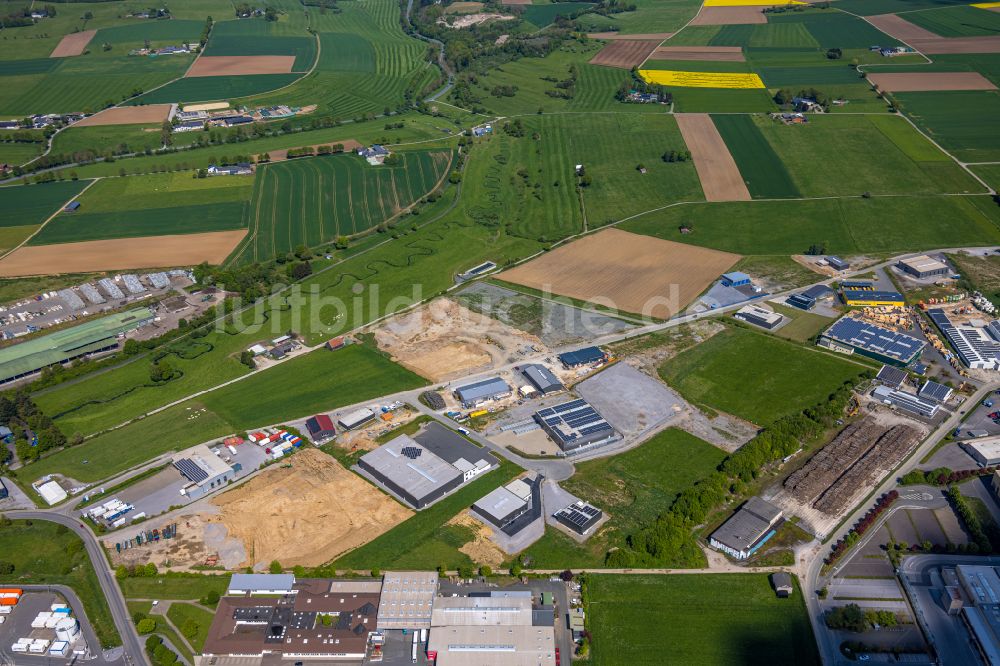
(574, 424)
(542, 378)
(501, 507)
(261, 584)
(411, 471)
(782, 583)
(891, 376)
(477, 393)
(748, 529)
(579, 516)
(935, 392)
(906, 401)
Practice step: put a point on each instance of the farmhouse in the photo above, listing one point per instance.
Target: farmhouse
(923, 267)
(906, 401)
(853, 336)
(985, 450)
(205, 471)
(574, 425)
(189, 126)
(758, 316)
(92, 337)
(472, 395)
(581, 357)
(977, 347)
(748, 529)
(375, 154)
(72, 207)
(866, 298)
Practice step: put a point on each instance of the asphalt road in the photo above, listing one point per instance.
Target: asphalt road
(134, 652)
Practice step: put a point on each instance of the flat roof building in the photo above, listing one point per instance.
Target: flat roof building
(923, 267)
(857, 285)
(543, 379)
(818, 292)
(481, 611)
(891, 376)
(853, 336)
(356, 419)
(411, 471)
(243, 584)
(501, 507)
(470, 459)
(580, 357)
(506, 645)
(906, 401)
(837, 263)
(207, 471)
(477, 393)
(92, 337)
(748, 529)
(976, 347)
(985, 450)
(579, 516)
(982, 585)
(407, 600)
(735, 279)
(866, 298)
(574, 425)
(758, 316)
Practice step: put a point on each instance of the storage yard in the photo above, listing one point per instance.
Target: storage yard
(444, 340)
(626, 271)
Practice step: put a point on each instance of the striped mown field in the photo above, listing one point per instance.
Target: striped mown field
(311, 201)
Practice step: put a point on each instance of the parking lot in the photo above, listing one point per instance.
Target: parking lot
(979, 422)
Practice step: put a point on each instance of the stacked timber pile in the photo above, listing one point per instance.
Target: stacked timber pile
(830, 462)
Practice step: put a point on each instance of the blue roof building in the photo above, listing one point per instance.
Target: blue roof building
(735, 279)
(853, 336)
(585, 356)
(477, 393)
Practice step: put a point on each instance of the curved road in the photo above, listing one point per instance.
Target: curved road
(134, 650)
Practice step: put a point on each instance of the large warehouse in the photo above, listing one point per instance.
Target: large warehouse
(574, 425)
(205, 471)
(501, 507)
(483, 391)
(985, 450)
(976, 347)
(543, 379)
(865, 298)
(581, 357)
(853, 336)
(92, 337)
(748, 529)
(758, 316)
(497, 645)
(407, 600)
(906, 401)
(924, 267)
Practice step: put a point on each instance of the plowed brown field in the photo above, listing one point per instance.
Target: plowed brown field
(720, 177)
(625, 271)
(151, 114)
(240, 65)
(73, 45)
(729, 16)
(923, 81)
(716, 53)
(625, 53)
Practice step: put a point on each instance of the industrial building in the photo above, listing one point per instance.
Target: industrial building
(976, 347)
(819, 292)
(92, 337)
(906, 401)
(735, 279)
(982, 585)
(802, 301)
(853, 336)
(857, 285)
(468, 458)
(985, 450)
(934, 392)
(483, 391)
(579, 517)
(748, 529)
(482, 611)
(313, 621)
(320, 428)
(542, 379)
(407, 599)
(574, 425)
(891, 376)
(501, 507)
(411, 472)
(356, 419)
(581, 357)
(837, 263)
(498, 645)
(758, 316)
(51, 492)
(865, 298)
(206, 471)
(923, 267)
(267, 584)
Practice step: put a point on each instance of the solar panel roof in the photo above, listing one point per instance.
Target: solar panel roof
(188, 468)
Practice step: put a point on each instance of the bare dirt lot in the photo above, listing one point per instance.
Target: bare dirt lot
(281, 154)
(240, 65)
(658, 36)
(729, 16)
(73, 45)
(118, 254)
(307, 514)
(151, 114)
(624, 53)
(481, 549)
(444, 340)
(626, 271)
(921, 81)
(720, 177)
(713, 53)
(469, 20)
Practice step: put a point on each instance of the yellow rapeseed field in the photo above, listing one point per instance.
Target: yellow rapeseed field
(669, 77)
(987, 5)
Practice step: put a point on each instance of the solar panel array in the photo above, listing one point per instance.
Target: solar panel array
(188, 468)
(868, 337)
(579, 515)
(411, 452)
(973, 350)
(573, 420)
(935, 391)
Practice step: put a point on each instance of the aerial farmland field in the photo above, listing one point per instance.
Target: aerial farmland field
(346, 197)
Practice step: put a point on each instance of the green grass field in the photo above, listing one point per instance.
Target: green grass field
(834, 29)
(311, 201)
(424, 541)
(850, 154)
(22, 205)
(959, 21)
(119, 138)
(258, 37)
(542, 15)
(208, 88)
(709, 620)
(803, 326)
(847, 226)
(960, 121)
(650, 16)
(633, 488)
(785, 375)
(762, 170)
(192, 621)
(44, 553)
(319, 381)
(162, 628)
(709, 100)
(990, 173)
(19, 153)
(174, 585)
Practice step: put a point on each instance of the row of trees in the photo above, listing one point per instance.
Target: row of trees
(842, 546)
(852, 618)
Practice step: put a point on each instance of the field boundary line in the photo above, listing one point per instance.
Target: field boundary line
(50, 218)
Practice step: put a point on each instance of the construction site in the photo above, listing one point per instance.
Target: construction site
(837, 476)
(444, 340)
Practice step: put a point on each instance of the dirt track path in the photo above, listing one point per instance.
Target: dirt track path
(720, 177)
